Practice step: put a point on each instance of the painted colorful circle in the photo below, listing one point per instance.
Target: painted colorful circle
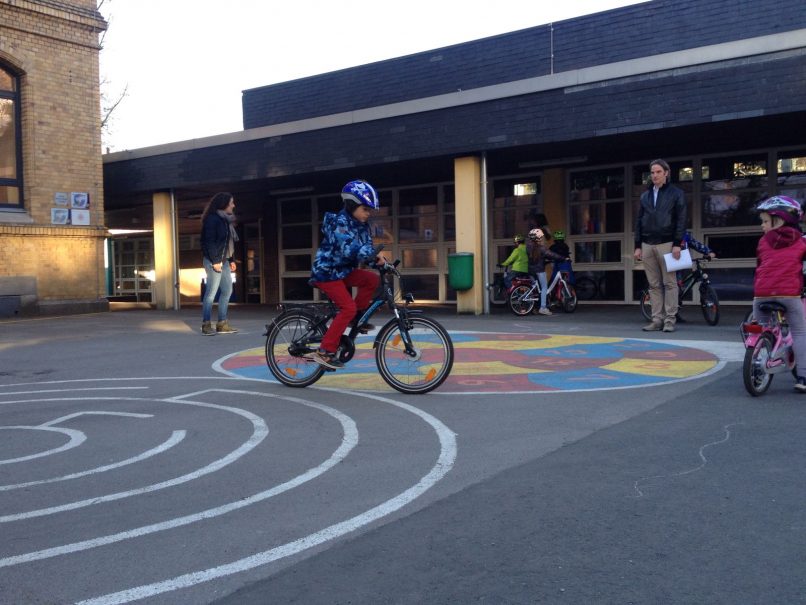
(495, 363)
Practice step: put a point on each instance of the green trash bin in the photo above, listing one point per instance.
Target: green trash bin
(460, 270)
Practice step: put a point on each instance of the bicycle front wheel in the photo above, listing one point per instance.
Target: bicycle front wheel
(498, 292)
(568, 297)
(754, 371)
(519, 302)
(710, 305)
(288, 339)
(426, 367)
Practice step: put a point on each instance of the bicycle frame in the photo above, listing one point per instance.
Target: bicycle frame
(535, 291)
(768, 348)
(777, 326)
(413, 353)
(696, 275)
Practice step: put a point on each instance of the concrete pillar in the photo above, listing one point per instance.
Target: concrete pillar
(467, 182)
(165, 269)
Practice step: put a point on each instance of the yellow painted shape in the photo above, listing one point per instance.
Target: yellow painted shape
(551, 342)
(660, 367)
(368, 381)
(470, 368)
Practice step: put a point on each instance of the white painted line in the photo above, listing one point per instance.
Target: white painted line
(117, 379)
(175, 438)
(443, 465)
(64, 390)
(76, 438)
(94, 413)
(260, 430)
(348, 442)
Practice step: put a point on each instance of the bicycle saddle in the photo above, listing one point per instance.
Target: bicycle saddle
(771, 306)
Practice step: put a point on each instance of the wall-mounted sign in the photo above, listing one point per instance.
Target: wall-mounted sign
(60, 216)
(79, 217)
(79, 199)
(60, 198)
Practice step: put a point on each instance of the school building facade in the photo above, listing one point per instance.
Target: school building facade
(469, 144)
(52, 230)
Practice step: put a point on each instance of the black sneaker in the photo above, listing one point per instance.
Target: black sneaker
(362, 328)
(800, 385)
(323, 358)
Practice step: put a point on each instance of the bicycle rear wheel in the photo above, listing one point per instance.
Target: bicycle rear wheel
(756, 378)
(288, 339)
(519, 303)
(586, 288)
(646, 307)
(430, 364)
(709, 302)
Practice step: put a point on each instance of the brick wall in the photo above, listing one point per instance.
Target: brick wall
(54, 46)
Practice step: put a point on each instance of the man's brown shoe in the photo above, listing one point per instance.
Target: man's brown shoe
(668, 327)
(653, 327)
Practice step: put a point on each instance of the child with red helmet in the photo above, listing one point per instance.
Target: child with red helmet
(779, 271)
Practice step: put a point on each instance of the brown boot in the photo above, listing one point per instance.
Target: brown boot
(223, 327)
(207, 329)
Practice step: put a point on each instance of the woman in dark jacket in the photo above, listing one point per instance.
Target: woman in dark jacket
(218, 239)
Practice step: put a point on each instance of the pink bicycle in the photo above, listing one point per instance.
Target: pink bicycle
(769, 349)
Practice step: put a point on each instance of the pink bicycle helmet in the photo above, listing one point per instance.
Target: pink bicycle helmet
(783, 207)
(536, 234)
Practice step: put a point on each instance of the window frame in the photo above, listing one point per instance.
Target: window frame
(15, 97)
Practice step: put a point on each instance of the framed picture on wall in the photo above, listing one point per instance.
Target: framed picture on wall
(60, 216)
(79, 199)
(79, 217)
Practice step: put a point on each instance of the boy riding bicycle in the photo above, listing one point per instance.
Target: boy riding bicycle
(346, 242)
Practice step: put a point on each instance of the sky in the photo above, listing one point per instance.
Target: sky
(184, 63)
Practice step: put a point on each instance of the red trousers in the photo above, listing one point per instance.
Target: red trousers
(339, 292)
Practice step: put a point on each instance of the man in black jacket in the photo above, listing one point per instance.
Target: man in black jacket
(659, 229)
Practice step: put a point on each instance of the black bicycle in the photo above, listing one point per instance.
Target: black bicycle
(709, 301)
(414, 353)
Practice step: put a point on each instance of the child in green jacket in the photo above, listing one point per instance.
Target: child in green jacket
(518, 260)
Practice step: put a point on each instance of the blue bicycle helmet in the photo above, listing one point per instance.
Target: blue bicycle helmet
(359, 193)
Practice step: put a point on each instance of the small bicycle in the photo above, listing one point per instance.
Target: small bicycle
(709, 301)
(768, 349)
(498, 291)
(525, 292)
(414, 354)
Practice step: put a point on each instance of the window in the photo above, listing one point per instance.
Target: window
(792, 174)
(596, 202)
(731, 188)
(10, 146)
(516, 207)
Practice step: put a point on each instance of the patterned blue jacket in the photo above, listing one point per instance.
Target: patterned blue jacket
(688, 241)
(346, 242)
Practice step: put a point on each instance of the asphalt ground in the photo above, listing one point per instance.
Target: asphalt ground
(134, 467)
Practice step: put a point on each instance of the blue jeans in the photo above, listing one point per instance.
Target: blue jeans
(216, 280)
(541, 279)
